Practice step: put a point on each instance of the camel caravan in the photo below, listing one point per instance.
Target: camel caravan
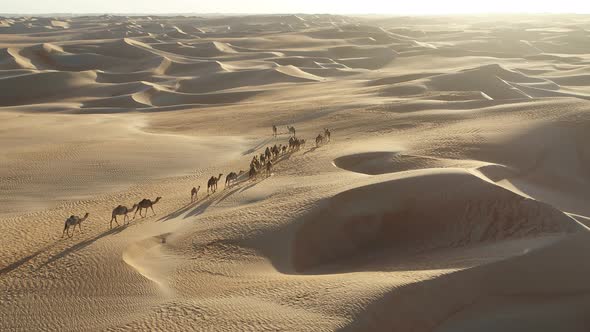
(260, 165)
(120, 210)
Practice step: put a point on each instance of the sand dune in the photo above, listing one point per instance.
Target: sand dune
(38, 86)
(452, 196)
(228, 80)
(475, 212)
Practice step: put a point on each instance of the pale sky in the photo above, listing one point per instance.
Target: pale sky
(426, 7)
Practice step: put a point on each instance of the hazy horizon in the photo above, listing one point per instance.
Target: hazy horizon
(424, 7)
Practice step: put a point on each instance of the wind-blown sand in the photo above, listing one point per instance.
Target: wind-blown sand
(453, 195)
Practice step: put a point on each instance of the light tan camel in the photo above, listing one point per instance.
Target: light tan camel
(73, 221)
(212, 183)
(327, 134)
(195, 193)
(146, 204)
(121, 211)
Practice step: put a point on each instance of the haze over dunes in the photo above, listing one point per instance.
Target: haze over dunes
(452, 196)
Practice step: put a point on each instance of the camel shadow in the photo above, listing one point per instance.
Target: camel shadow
(200, 209)
(82, 245)
(285, 156)
(180, 211)
(260, 145)
(22, 261)
(251, 185)
(233, 189)
(310, 150)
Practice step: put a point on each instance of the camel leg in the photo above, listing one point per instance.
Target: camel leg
(64, 232)
(153, 210)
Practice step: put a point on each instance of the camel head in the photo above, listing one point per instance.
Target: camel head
(86, 216)
(134, 207)
(157, 200)
(219, 177)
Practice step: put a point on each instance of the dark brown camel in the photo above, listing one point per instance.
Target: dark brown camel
(319, 140)
(121, 211)
(231, 177)
(252, 174)
(212, 183)
(146, 204)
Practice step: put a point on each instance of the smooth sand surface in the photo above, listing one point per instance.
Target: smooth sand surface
(453, 195)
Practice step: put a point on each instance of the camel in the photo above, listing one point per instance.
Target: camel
(284, 149)
(252, 174)
(291, 130)
(267, 153)
(274, 131)
(327, 134)
(262, 158)
(233, 176)
(292, 143)
(255, 163)
(121, 210)
(195, 194)
(319, 140)
(146, 204)
(275, 150)
(73, 221)
(212, 183)
(295, 143)
(268, 168)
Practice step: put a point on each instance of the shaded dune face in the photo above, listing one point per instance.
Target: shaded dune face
(371, 163)
(375, 163)
(408, 216)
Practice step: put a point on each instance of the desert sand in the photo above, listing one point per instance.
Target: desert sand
(452, 196)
